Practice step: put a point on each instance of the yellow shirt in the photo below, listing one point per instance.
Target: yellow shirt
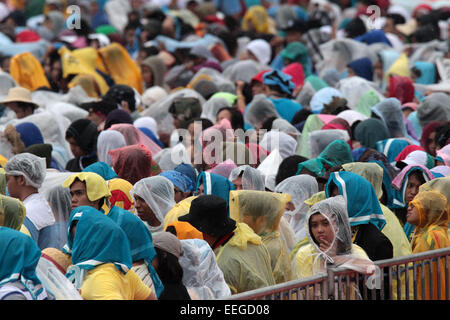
(106, 282)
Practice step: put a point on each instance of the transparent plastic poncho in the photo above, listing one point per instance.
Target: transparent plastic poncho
(252, 179)
(320, 139)
(31, 167)
(259, 110)
(109, 140)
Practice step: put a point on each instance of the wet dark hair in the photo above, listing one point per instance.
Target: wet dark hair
(288, 167)
(169, 269)
(355, 28)
(442, 136)
(237, 120)
(301, 116)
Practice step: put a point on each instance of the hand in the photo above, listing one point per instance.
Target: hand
(240, 86)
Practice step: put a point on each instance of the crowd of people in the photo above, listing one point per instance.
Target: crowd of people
(194, 149)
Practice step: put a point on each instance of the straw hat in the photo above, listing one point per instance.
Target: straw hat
(19, 94)
(58, 258)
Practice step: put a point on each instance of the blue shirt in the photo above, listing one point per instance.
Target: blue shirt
(286, 108)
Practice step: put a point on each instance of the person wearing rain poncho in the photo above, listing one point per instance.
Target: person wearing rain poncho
(101, 258)
(82, 136)
(428, 212)
(19, 255)
(153, 199)
(25, 174)
(262, 212)
(330, 241)
(90, 189)
(240, 253)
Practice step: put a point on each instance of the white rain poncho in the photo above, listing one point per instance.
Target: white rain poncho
(353, 88)
(252, 179)
(390, 111)
(109, 140)
(320, 139)
(160, 109)
(285, 126)
(243, 70)
(31, 167)
(201, 274)
(147, 122)
(269, 168)
(6, 82)
(259, 110)
(341, 252)
(222, 83)
(301, 188)
(158, 193)
(60, 202)
(285, 143)
(169, 158)
(211, 108)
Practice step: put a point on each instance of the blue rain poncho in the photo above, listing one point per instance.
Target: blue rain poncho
(215, 184)
(102, 169)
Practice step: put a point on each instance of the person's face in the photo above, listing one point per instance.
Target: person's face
(179, 195)
(224, 114)
(412, 215)
(238, 183)
(322, 230)
(378, 69)
(389, 26)
(256, 224)
(290, 206)
(412, 188)
(334, 191)
(79, 196)
(145, 212)
(20, 113)
(75, 148)
(147, 75)
(129, 36)
(14, 185)
(293, 36)
(431, 144)
(258, 88)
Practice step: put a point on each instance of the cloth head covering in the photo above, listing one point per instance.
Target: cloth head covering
(285, 143)
(401, 181)
(120, 193)
(400, 67)
(31, 167)
(320, 139)
(322, 97)
(296, 71)
(133, 163)
(251, 177)
(158, 67)
(280, 79)
(362, 201)
(372, 172)
(109, 140)
(426, 132)
(300, 188)
(435, 107)
(179, 180)
(224, 169)
(340, 250)
(168, 242)
(407, 150)
(255, 204)
(201, 272)
(313, 122)
(390, 111)
(29, 133)
(117, 116)
(134, 136)
(369, 131)
(392, 147)
(215, 184)
(140, 240)
(401, 88)
(433, 209)
(337, 153)
(261, 50)
(199, 216)
(12, 212)
(96, 186)
(102, 169)
(98, 240)
(362, 67)
(189, 171)
(20, 255)
(85, 133)
(388, 191)
(158, 193)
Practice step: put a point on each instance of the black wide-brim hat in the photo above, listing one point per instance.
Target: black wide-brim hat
(209, 214)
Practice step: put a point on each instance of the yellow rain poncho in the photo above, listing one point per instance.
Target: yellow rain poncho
(431, 234)
(2, 181)
(96, 186)
(28, 71)
(82, 62)
(12, 212)
(178, 210)
(262, 211)
(245, 261)
(119, 65)
(399, 68)
(120, 191)
(256, 18)
(88, 83)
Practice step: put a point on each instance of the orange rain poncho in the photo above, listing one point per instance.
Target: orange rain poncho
(28, 71)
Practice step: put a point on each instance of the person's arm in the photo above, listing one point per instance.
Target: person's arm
(240, 104)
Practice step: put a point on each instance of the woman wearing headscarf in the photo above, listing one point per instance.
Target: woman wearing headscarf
(428, 135)
(109, 140)
(153, 199)
(19, 255)
(181, 183)
(300, 188)
(406, 186)
(262, 212)
(133, 163)
(369, 131)
(153, 71)
(247, 178)
(428, 212)
(82, 136)
(101, 258)
(330, 241)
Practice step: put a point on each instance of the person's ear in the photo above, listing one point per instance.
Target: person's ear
(125, 106)
(21, 180)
